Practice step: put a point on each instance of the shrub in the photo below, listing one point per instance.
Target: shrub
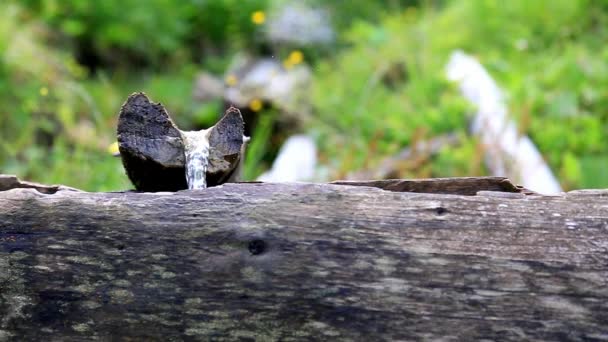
(132, 33)
(48, 124)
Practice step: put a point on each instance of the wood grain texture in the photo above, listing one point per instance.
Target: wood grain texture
(291, 262)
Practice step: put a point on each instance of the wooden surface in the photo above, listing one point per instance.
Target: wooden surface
(291, 262)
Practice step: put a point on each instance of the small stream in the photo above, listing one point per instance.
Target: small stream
(196, 145)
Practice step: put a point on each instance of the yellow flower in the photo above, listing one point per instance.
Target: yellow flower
(44, 91)
(296, 57)
(231, 80)
(113, 149)
(258, 17)
(255, 105)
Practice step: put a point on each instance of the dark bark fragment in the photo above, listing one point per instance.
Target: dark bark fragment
(460, 186)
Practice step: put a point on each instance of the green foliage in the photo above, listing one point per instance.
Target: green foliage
(153, 32)
(387, 91)
(551, 62)
(379, 89)
(225, 23)
(257, 148)
(47, 124)
(343, 13)
(549, 58)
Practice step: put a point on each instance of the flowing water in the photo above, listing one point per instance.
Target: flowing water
(197, 158)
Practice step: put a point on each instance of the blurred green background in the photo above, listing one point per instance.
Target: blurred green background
(66, 66)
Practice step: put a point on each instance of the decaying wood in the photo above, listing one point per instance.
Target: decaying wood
(468, 186)
(152, 147)
(270, 262)
(8, 182)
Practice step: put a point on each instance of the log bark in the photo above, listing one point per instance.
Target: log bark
(290, 262)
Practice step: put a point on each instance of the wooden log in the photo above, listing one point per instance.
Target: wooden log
(152, 147)
(291, 262)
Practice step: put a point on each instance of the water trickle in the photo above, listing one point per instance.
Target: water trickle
(196, 145)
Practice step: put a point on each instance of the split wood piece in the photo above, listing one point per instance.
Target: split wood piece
(152, 147)
(468, 186)
(9, 182)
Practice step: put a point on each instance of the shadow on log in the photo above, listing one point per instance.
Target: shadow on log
(287, 262)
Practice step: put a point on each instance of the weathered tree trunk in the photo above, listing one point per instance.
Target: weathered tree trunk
(287, 262)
